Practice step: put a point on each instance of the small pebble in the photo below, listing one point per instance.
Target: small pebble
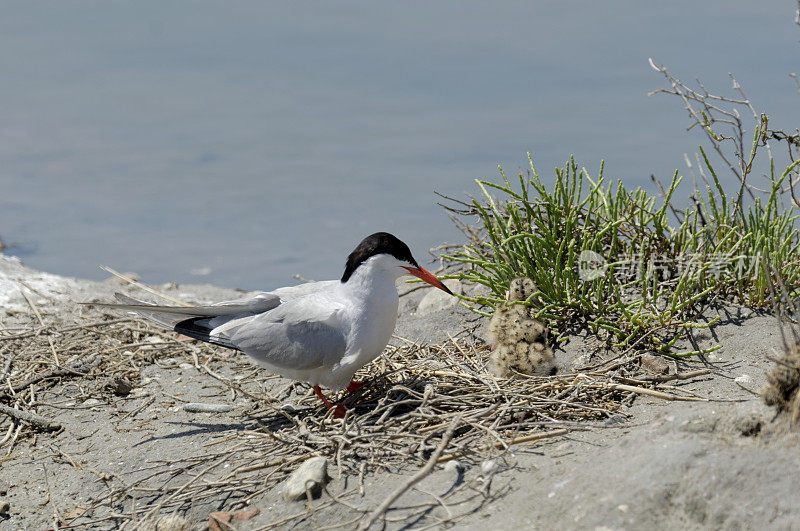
(489, 467)
(119, 385)
(5, 508)
(454, 466)
(436, 300)
(91, 402)
(311, 476)
(654, 364)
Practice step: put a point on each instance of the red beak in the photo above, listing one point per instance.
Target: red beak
(428, 277)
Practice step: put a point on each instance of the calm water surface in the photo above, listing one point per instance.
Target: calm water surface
(240, 143)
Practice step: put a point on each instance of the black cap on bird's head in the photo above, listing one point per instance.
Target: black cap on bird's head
(385, 243)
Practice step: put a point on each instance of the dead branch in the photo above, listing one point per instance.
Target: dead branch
(38, 421)
(416, 478)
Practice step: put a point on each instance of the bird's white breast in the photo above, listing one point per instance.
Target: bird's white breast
(371, 310)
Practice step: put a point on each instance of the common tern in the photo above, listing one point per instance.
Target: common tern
(318, 332)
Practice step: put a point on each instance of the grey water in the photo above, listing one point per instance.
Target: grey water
(239, 143)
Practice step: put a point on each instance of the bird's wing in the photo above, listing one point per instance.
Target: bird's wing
(301, 334)
(287, 328)
(169, 316)
(308, 288)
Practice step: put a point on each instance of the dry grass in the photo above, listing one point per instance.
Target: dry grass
(396, 422)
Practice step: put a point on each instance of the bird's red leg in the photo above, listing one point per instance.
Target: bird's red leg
(355, 386)
(322, 397)
(338, 409)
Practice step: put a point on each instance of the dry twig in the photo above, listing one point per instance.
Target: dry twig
(416, 478)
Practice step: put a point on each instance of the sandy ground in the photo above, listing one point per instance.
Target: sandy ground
(725, 463)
